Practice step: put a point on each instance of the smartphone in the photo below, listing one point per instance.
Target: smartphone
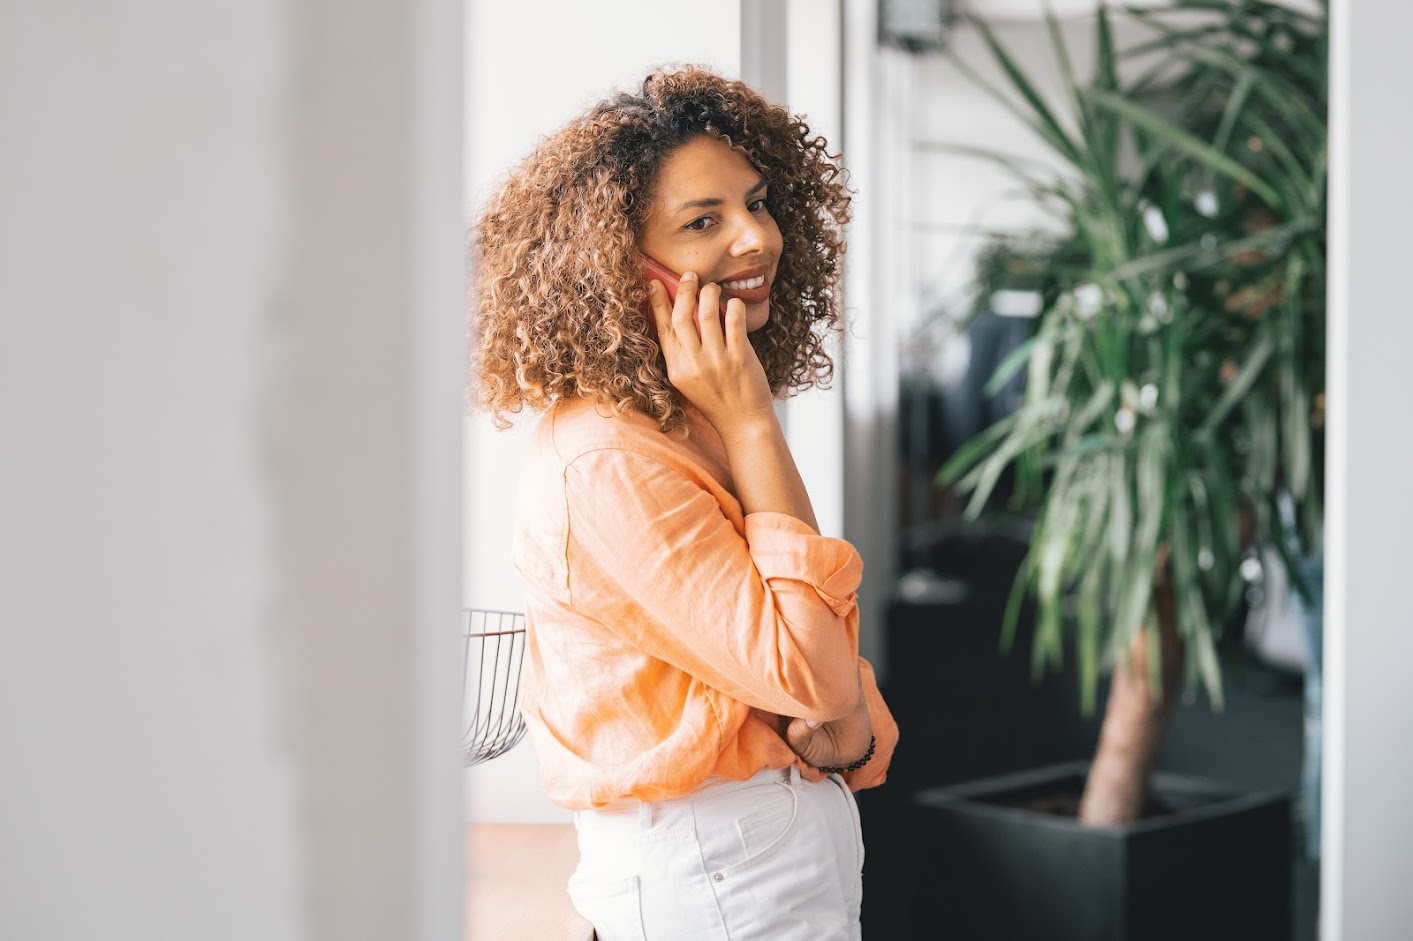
(654, 270)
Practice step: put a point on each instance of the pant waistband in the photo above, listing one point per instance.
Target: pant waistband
(710, 788)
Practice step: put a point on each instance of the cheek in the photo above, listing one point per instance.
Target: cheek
(676, 257)
(777, 241)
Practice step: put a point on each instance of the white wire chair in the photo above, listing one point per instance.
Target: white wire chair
(493, 652)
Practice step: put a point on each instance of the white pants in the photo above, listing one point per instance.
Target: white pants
(774, 858)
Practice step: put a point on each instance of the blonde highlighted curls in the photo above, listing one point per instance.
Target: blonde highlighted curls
(559, 285)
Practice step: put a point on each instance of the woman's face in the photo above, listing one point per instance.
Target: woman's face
(709, 217)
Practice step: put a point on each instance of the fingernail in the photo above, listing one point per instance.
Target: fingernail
(813, 725)
(688, 276)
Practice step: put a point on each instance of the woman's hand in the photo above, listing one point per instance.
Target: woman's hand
(715, 368)
(832, 744)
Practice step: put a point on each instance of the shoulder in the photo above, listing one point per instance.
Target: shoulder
(577, 428)
(572, 459)
(595, 471)
(584, 455)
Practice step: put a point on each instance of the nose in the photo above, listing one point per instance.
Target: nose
(751, 237)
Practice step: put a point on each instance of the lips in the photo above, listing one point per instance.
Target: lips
(751, 286)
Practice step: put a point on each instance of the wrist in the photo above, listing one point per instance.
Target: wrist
(747, 430)
(854, 766)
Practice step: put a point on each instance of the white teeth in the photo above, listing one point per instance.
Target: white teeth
(749, 284)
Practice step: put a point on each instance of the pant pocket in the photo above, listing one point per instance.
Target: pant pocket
(764, 828)
(612, 906)
(754, 836)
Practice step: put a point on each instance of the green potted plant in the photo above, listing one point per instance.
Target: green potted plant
(1173, 388)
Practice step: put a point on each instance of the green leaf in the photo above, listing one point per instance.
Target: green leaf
(1044, 118)
(1121, 528)
(1093, 409)
(1011, 365)
(1235, 104)
(1087, 445)
(1087, 642)
(1194, 255)
(1014, 601)
(1105, 61)
(1239, 386)
(970, 453)
(1165, 130)
(1206, 654)
(1138, 567)
(1296, 177)
(1033, 424)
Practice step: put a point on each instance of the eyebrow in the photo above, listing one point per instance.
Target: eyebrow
(711, 203)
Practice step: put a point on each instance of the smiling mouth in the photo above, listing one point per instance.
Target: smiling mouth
(752, 290)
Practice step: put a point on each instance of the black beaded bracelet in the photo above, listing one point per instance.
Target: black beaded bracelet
(842, 769)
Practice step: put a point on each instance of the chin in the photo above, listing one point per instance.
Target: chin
(757, 319)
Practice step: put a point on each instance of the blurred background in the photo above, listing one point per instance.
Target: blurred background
(243, 504)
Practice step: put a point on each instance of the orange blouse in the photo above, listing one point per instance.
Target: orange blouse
(668, 632)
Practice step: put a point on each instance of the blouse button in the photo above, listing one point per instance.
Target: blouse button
(717, 877)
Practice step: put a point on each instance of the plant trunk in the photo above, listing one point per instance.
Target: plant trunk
(1135, 718)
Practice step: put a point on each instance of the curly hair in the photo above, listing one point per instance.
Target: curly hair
(559, 287)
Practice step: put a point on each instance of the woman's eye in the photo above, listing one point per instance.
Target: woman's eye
(757, 205)
(697, 225)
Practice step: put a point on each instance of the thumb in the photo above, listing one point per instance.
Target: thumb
(799, 733)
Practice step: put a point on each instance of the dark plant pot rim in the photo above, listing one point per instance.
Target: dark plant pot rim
(1218, 799)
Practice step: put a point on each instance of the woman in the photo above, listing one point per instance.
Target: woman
(693, 685)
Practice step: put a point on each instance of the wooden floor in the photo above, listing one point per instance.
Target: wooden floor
(516, 874)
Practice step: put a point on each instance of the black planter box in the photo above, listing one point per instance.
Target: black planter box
(967, 710)
(1214, 866)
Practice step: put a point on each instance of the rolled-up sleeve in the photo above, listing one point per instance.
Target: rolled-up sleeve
(783, 547)
(767, 615)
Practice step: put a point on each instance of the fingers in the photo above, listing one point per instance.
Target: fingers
(734, 322)
(661, 308)
(670, 316)
(699, 305)
(721, 326)
(684, 328)
(709, 315)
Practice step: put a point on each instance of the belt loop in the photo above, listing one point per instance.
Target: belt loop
(794, 775)
(645, 814)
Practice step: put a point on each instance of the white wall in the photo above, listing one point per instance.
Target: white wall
(1368, 761)
(230, 373)
(814, 87)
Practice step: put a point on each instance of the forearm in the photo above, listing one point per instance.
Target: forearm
(763, 470)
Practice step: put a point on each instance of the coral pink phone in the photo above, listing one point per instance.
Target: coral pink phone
(654, 270)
